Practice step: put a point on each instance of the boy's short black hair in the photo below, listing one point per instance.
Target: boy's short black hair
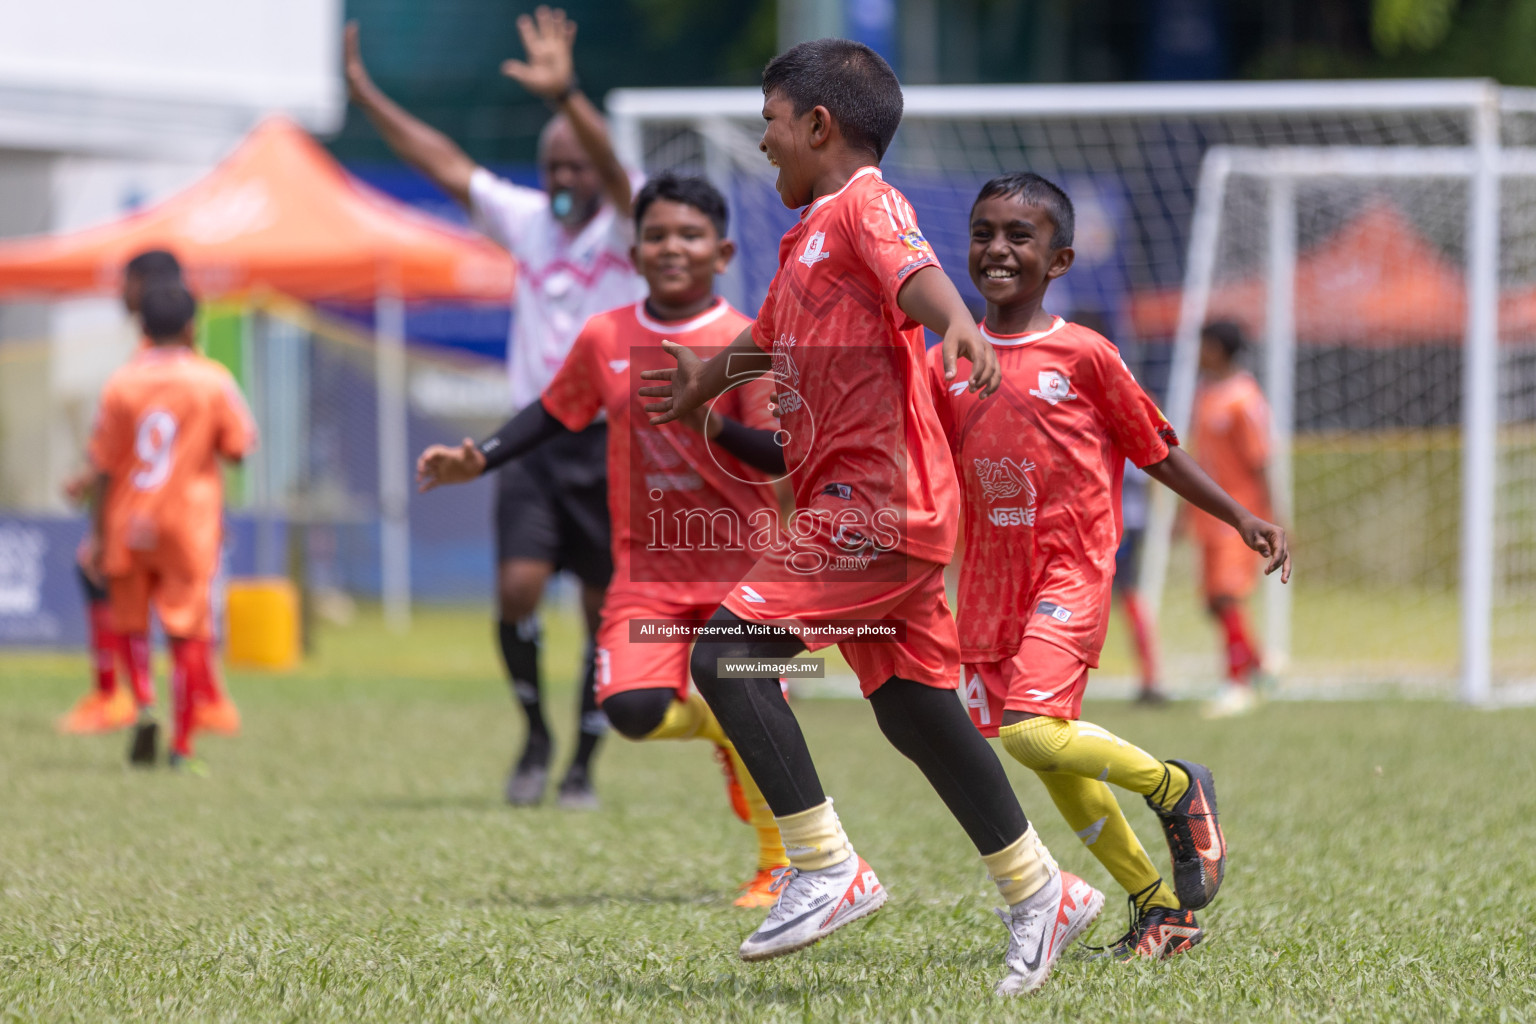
(853, 82)
(690, 190)
(154, 263)
(1228, 334)
(1030, 188)
(165, 309)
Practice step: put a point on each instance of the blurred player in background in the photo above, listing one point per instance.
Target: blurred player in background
(874, 525)
(1040, 467)
(571, 242)
(1231, 440)
(1133, 522)
(165, 421)
(109, 707)
(1133, 518)
(664, 474)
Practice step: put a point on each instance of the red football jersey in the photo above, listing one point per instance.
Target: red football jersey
(689, 520)
(863, 441)
(165, 420)
(1040, 465)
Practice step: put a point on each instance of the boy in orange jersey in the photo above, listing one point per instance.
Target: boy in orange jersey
(1040, 467)
(109, 707)
(1231, 440)
(682, 507)
(165, 421)
(841, 336)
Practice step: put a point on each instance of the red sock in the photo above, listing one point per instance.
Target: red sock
(189, 683)
(1143, 637)
(136, 646)
(106, 645)
(1242, 655)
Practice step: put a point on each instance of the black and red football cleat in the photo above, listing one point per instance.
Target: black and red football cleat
(1195, 840)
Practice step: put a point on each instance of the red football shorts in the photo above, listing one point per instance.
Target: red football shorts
(624, 665)
(907, 591)
(1041, 679)
(182, 597)
(1228, 567)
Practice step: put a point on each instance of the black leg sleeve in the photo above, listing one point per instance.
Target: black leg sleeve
(519, 642)
(591, 723)
(635, 714)
(932, 729)
(757, 719)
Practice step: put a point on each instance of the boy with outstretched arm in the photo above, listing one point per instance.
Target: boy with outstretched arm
(1040, 466)
(840, 334)
(673, 490)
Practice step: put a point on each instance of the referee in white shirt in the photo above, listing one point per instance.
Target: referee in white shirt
(571, 240)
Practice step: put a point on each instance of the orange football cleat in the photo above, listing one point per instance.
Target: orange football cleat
(758, 890)
(733, 788)
(220, 716)
(96, 713)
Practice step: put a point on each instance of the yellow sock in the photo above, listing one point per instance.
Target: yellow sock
(689, 719)
(1092, 752)
(770, 845)
(814, 839)
(1020, 868)
(1091, 810)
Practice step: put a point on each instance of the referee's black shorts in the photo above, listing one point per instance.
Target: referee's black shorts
(552, 506)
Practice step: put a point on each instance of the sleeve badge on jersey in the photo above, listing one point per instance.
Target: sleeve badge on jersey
(913, 239)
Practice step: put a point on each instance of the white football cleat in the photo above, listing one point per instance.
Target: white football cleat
(813, 905)
(1044, 925)
(1233, 700)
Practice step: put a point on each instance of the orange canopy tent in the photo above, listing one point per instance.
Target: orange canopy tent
(1376, 281)
(280, 214)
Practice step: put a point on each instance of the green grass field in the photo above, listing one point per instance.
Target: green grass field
(349, 859)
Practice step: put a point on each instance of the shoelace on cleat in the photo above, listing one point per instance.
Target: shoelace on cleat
(782, 877)
(1138, 913)
(1029, 917)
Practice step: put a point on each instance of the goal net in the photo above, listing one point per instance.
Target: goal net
(1375, 401)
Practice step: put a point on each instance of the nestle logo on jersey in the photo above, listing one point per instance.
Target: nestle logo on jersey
(1012, 517)
(814, 253)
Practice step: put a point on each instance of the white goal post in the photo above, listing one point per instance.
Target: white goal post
(1483, 165)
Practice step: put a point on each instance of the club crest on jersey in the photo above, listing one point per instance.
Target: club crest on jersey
(1054, 387)
(815, 250)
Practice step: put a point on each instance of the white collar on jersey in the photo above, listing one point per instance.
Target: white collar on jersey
(1021, 339)
(861, 172)
(709, 316)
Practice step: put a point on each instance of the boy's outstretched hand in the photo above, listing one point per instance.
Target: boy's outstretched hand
(964, 339)
(1268, 540)
(443, 464)
(683, 391)
(548, 39)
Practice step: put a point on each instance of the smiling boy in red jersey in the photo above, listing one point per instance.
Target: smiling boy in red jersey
(682, 509)
(840, 334)
(1041, 467)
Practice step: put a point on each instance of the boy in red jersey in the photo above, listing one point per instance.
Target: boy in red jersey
(1230, 428)
(840, 335)
(165, 422)
(682, 509)
(1041, 466)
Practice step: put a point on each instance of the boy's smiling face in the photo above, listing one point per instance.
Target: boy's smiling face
(679, 252)
(789, 143)
(1011, 259)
